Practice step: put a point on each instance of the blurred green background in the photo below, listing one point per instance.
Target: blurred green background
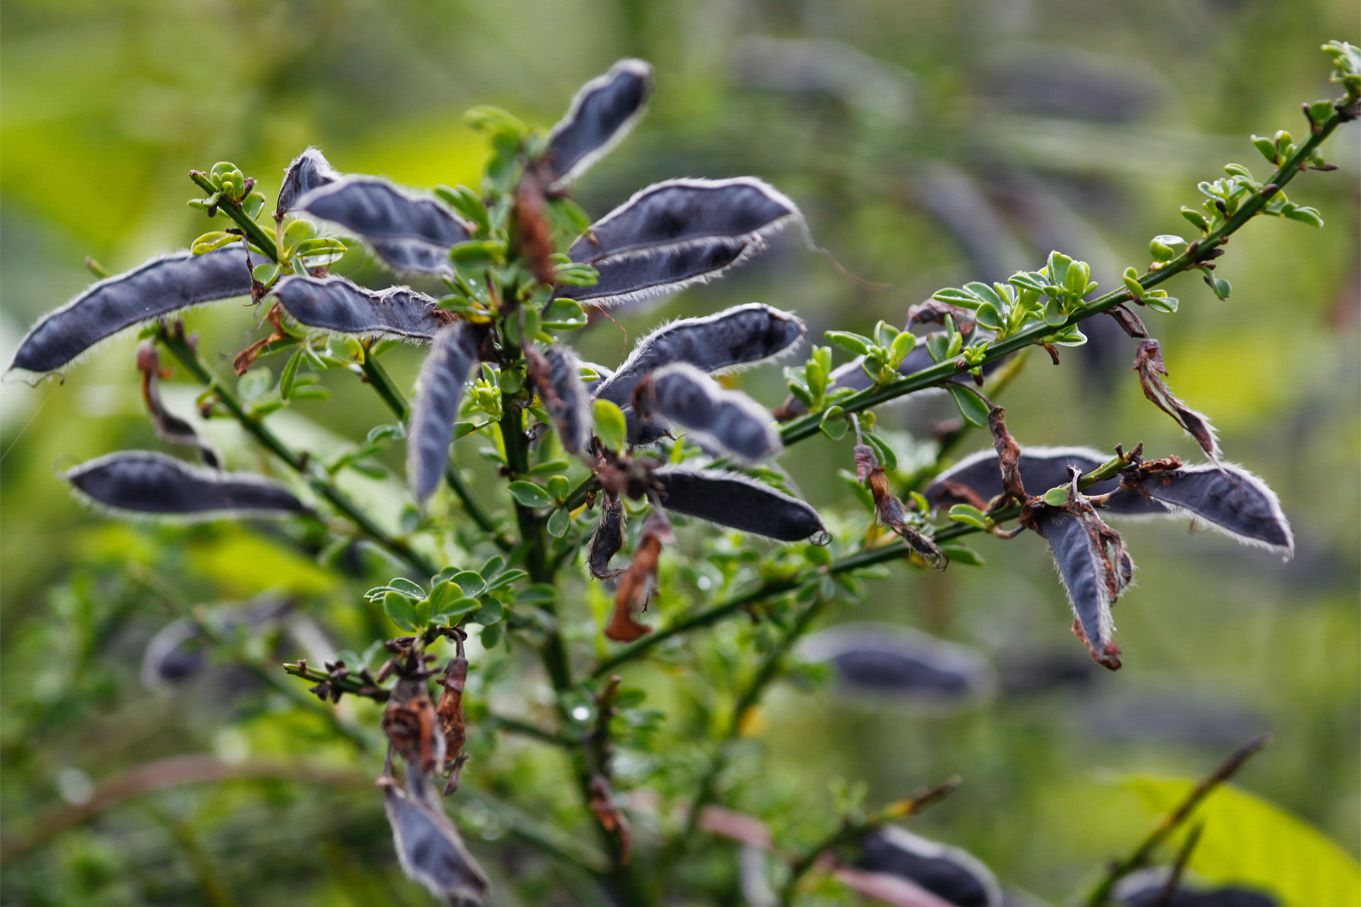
(929, 143)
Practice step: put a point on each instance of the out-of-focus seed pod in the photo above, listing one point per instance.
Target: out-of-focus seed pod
(145, 482)
(950, 873)
(888, 662)
(741, 335)
(430, 848)
(443, 375)
(335, 304)
(721, 421)
(1148, 889)
(157, 288)
(410, 232)
(309, 170)
(600, 116)
(738, 502)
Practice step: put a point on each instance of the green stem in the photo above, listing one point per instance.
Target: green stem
(622, 879)
(807, 425)
(377, 377)
(233, 210)
(298, 462)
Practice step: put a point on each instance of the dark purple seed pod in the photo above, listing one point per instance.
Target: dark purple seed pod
(443, 376)
(635, 276)
(718, 420)
(888, 662)
(950, 873)
(335, 304)
(738, 336)
(1094, 568)
(688, 211)
(417, 230)
(1042, 468)
(602, 113)
(145, 482)
(309, 170)
(178, 651)
(1148, 889)
(607, 539)
(157, 288)
(430, 849)
(1225, 496)
(737, 502)
(566, 398)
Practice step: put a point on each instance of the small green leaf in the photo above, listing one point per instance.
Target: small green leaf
(527, 494)
(857, 344)
(212, 240)
(902, 345)
(564, 315)
(1057, 496)
(969, 516)
(959, 554)
(453, 611)
(971, 405)
(1166, 246)
(559, 522)
(1305, 215)
(832, 424)
(401, 610)
(610, 425)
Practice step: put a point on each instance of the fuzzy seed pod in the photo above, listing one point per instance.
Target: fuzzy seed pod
(978, 478)
(410, 232)
(635, 276)
(443, 376)
(1225, 496)
(335, 304)
(721, 421)
(738, 336)
(738, 502)
(309, 170)
(145, 482)
(882, 660)
(430, 849)
(602, 113)
(157, 288)
(952, 874)
(564, 394)
(687, 211)
(1094, 567)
